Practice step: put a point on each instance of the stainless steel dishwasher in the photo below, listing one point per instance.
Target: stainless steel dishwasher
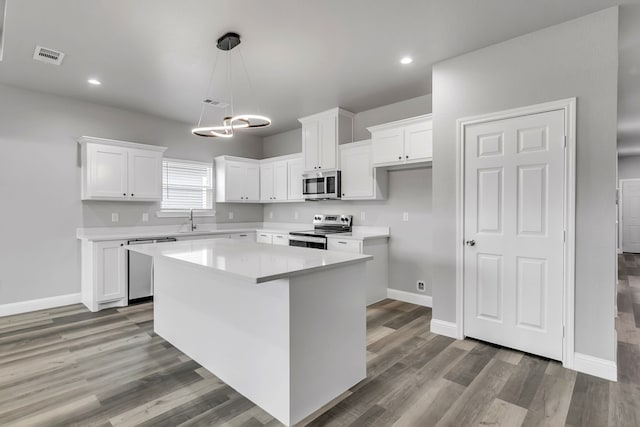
(141, 271)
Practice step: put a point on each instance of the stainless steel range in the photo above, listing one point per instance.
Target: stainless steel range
(323, 225)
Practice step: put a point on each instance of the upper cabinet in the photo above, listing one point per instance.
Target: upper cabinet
(321, 134)
(360, 180)
(295, 169)
(118, 170)
(403, 142)
(273, 181)
(237, 180)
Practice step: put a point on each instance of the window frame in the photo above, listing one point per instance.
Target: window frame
(180, 213)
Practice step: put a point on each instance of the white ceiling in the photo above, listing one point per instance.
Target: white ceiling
(156, 56)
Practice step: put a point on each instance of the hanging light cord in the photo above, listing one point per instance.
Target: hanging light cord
(215, 64)
(246, 73)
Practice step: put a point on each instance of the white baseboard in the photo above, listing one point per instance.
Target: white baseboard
(410, 297)
(38, 304)
(448, 329)
(595, 366)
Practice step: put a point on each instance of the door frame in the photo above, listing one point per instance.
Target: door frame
(620, 209)
(568, 106)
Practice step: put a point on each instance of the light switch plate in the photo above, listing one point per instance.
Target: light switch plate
(270, 215)
(405, 216)
(145, 217)
(296, 215)
(115, 217)
(230, 215)
(362, 216)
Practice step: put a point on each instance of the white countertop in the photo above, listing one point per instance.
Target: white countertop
(254, 262)
(97, 234)
(362, 233)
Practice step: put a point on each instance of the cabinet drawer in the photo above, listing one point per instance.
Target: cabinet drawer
(281, 239)
(243, 236)
(344, 245)
(264, 238)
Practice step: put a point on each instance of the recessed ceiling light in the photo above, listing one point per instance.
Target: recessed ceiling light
(406, 60)
(94, 82)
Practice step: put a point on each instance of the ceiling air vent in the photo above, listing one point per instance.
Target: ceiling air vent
(47, 55)
(212, 103)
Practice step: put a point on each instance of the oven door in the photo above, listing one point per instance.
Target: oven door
(308, 241)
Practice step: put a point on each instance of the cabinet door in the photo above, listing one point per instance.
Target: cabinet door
(310, 145)
(262, 237)
(357, 172)
(111, 271)
(252, 183)
(267, 182)
(145, 175)
(388, 146)
(340, 245)
(418, 141)
(328, 142)
(280, 176)
(251, 237)
(235, 177)
(296, 168)
(107, 172)
(281, 239)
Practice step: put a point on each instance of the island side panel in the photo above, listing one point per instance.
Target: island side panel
(328, 336)
(237, 330)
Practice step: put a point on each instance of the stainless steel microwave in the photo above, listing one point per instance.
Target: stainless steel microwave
(321, 185)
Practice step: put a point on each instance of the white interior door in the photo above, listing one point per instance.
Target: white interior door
(631, 216)
(514, 232)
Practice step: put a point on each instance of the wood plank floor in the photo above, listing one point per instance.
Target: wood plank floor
(69, 367)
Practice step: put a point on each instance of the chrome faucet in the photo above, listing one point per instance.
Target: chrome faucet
(193, 226)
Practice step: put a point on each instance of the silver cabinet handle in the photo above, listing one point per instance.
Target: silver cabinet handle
(344, 243)
(470, 242)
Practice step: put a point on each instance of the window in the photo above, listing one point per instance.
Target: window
(186, 185)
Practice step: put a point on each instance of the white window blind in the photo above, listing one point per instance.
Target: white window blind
(186, 185)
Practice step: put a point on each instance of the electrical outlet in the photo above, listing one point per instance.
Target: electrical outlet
(405, 216)
(296, 215)
(362, 216)
(230, 215)
(420, 286)
(145, 217)
(115, 217)
(270, 215)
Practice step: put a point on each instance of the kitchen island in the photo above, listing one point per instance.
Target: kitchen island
(284, 326)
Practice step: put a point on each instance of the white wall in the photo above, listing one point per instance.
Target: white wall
(575, 59)
(409, 191)
(40, 184)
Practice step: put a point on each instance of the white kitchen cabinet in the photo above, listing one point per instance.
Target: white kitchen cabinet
(280, 239)
(403, 142)
(249, 236)
(321, 135)
(237, 180)
(122, 171)
(377, 270)
(271, 238)
(267, 183)
(360, 180)
(295, 169)
(263, 237)
(273, 181)
(104, 274)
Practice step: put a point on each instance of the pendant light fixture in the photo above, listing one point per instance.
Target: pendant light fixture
(231, 121)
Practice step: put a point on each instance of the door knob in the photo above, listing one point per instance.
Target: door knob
(470, 242)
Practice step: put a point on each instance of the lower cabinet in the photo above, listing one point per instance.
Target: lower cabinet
(269, 238)
(377, 270)
(251, 237)
(104, 274)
